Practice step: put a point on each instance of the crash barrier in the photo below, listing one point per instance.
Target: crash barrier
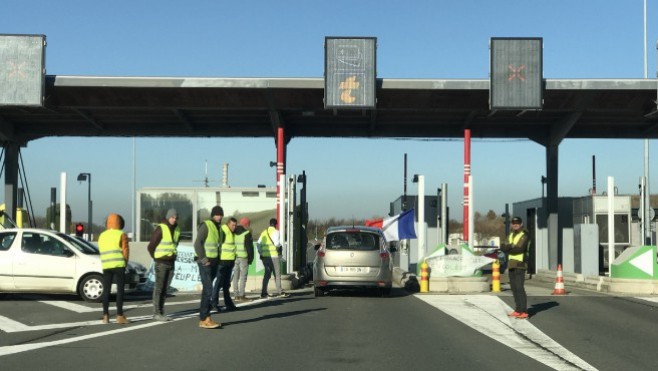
(424, 278)
(495, 276)
(559, 282)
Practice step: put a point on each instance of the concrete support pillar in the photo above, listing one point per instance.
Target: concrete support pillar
(554, 247)
(12, 150)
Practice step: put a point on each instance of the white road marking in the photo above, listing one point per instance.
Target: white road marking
(648, 298)
(488, 315)
(9, 325)
(19, 327)
(13, 349)
(84, 309)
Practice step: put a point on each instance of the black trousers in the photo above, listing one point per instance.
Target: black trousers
(517, 282)
(118, 276)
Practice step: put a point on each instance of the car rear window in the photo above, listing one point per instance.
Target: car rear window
(348, 240)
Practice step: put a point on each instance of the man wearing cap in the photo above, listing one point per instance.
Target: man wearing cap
(162, 247)
(244, 255)
(206, 254)
(517, 246)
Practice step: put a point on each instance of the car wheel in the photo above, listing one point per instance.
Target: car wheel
(91, 288)
(318, 292)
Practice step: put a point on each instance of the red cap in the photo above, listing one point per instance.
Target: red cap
(245, 222)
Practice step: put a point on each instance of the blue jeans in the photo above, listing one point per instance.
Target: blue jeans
(163, 275)
(207, 273)
(224, 269)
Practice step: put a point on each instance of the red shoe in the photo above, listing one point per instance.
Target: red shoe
(523, 315)
(513, 314)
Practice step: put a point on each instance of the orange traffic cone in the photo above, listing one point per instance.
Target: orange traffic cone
(559, 282)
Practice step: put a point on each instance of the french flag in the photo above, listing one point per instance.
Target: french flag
(398, 227)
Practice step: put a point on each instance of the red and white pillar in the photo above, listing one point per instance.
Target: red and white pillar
(467, 174)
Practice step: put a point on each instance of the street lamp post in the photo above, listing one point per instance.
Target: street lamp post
(81, 178)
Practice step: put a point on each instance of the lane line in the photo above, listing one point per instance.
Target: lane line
(13, 349)
(78, 308)
(9, 325)
(488, 315)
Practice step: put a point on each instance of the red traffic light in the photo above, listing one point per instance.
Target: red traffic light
(79, 229)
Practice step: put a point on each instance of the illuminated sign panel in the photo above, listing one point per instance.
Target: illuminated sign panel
(22, 70)
(350, 72)
(516, 73)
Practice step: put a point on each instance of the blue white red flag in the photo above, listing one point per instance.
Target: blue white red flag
(398, 227)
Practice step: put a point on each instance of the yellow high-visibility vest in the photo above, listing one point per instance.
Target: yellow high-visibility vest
(228, 247)
(268, 249)
(109, 245)
(514, 239)
(168, 244)
(240, 250)
(211, 244)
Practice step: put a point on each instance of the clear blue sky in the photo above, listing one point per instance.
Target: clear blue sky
(346, 177)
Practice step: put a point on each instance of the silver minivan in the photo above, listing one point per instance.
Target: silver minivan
(353, 257)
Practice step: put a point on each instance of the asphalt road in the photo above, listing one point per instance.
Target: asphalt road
(343, 330)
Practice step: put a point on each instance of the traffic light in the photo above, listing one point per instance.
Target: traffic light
(79, 229)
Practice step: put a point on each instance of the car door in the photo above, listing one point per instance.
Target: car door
(43, 264)
(7, 239)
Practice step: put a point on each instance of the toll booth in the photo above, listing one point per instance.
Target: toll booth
(594, 210)
(533, 214)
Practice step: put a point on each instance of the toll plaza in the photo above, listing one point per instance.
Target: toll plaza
(349, 101)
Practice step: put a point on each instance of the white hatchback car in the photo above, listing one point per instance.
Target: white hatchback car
(45, 261)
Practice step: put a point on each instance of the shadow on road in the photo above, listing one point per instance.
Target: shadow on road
(536, 308)
(273, 316)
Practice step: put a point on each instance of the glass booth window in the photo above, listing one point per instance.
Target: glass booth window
(154, 206)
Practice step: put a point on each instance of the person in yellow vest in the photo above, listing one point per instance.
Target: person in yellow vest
(270, 253)
(516, 246)
(227, 257)
(114, 251)
(244, 250)
(206, 254)
(163, 249)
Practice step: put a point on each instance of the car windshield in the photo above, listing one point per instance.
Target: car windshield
(353, 240)
(80, 245)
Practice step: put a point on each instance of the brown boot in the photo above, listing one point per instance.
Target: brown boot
(106, 318)
(122, 320)
(209, 323)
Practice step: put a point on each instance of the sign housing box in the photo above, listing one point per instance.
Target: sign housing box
(516, 76)
(22, 70)
(350, 74)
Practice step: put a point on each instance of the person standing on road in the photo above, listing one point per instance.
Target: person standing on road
(163, 249)
(270, 253)
(206, 254)
(225, 267)
(244, 251)
(114, 251)
(517, 246)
